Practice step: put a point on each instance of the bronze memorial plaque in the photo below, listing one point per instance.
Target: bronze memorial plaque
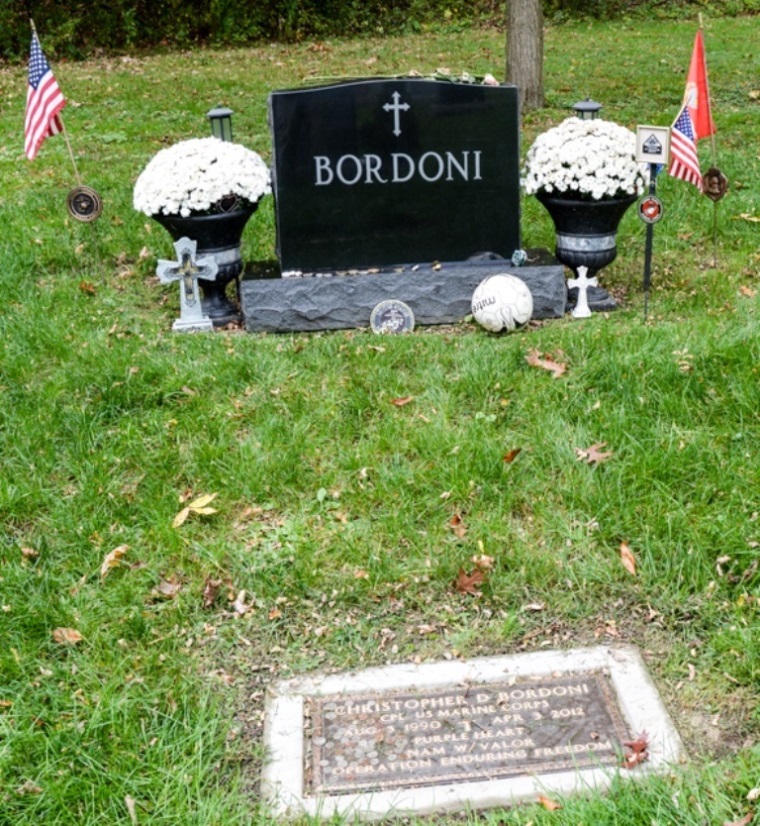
(370, 742)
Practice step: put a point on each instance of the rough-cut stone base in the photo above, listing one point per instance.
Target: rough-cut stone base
(437, 294)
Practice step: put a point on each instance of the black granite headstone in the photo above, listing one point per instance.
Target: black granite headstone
(383, 172)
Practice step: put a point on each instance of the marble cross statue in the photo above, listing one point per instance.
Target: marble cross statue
(187, 270)
(581, 309)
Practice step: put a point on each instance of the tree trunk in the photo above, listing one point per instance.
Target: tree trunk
(525, 51)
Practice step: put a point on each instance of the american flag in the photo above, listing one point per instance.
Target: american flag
(44, 101)
(684, 161)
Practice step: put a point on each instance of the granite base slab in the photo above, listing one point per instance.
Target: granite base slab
(437, 294)
(461, 735)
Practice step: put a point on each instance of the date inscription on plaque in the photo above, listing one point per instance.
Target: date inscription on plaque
(369, 742)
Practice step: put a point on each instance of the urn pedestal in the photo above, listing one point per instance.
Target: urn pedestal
(218, 235)
(586, 235)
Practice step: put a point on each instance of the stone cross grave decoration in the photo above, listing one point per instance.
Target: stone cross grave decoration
(582, 282)
(408, 186)
(187, 270)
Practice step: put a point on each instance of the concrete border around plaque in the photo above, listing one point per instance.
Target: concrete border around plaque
(412, 739)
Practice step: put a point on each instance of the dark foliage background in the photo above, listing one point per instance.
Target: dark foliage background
(80, 28)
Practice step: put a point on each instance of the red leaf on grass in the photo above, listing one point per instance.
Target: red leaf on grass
(636, 751)
(511, 455)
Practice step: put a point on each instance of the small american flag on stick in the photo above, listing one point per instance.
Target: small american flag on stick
(684, 161)
(44, 102)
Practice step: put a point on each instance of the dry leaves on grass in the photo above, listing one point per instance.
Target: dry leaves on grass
(402, 401)
(745, 821)
(199, 507)
(547, 361)
(456, 523)
(167, 588)
(511, 455)
(29, 553)
(594, 455)
(239, 605)
(627, 558)
(211, 591)
(548, 803)
(67, 636)
(469, 583)
(636, 751)
(112, 560)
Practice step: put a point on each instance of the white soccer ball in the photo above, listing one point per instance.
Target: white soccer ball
(502, 302)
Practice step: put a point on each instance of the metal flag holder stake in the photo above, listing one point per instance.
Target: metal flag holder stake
(652, 147)
(650, 212)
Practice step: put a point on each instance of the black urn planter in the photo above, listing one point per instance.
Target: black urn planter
(586, 230)
(218, 235)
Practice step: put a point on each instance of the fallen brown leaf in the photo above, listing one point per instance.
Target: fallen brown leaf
(67, 636)
(556, 368)
(548, 803)
(511, 455)
(29, 553)
(167, 589)
(87, 287)
(111, 560)
(468, 583)
(745, 821)
(457, 525)
(748, 291)
(594, 454)
(627, 558)
(402, 401)
(636, 751)
(211, 591)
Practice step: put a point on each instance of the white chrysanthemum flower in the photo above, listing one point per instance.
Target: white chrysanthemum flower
(584, 158)
(193, 176)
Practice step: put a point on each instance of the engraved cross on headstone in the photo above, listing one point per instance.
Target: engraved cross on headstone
(397, 108)
(582, 282)
(187, 270)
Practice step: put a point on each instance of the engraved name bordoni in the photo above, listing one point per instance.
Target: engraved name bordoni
(480, 732)
(398, 167)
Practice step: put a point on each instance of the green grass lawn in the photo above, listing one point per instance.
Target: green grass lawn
(333, 545)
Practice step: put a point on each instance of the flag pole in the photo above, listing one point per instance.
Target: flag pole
(71, 153)
(714, 156)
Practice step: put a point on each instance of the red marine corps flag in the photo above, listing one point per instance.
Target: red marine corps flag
(44, 102)
(694, 121)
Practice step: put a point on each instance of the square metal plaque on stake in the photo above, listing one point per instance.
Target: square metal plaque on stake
(455, 735)
(652, 144)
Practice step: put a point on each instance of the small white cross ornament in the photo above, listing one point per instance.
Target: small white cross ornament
(581, 309)
(187, 270)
